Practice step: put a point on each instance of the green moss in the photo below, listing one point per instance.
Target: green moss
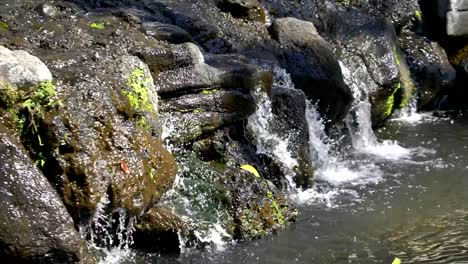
(276, 210)
(138, 96)
(389, 104)
(418, 15)
(197, 111)
(210, 91)
(4, 25)
(459, 56)
(97, 25)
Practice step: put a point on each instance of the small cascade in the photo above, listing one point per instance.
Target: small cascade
(359, 122)
(261, 126)
(109, 235)
(330, 165)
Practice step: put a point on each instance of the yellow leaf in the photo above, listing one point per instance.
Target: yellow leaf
(251, 169)
(396, 261)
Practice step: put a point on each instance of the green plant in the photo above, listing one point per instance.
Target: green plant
(4, 25)
(97, 25)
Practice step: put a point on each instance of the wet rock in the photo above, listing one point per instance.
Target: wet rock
(400, 13)
(430, 68)
(289, 106)
(22, 69)
(49, 11)
(248, 9)
(34, 224)
(157, 231)
(372, 44)
(213, 101)
(313, 66)
(160, 59)
(245, 206)
(166, 32)
(227, 71)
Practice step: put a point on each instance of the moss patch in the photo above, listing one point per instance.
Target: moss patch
(138, 97)
(457, 58)
(389, 104)
(97, 25)
(28, 108)
(4, 25)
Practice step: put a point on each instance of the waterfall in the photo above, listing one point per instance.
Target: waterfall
(260, 124)
(359, 121)
(108, 236)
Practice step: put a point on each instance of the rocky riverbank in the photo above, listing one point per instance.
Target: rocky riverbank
(127, 99)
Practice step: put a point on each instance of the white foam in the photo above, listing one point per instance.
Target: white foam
(341, 174)
(387, 149)
(216, 237)
(327, 198)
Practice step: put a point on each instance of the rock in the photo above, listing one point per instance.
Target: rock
(430, 68)
(22, 69)
(371, 45)
(166, 32)
(34, 224)
(313, 66)
(140, 92)
(216, 100)
(289, 107)
(245, 206)
(248, 9)
(50, 11)
(164, 59)
(227, 71)
(400, 13)
(157, 231)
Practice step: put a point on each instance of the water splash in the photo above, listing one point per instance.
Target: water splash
(359, 122)
(260, 124)
(330, 165)
(109, 237)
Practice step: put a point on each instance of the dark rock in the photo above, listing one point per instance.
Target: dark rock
(248, 9)
(400, 13)
(157, 231)
(430, 68)
(289, 107)
(34, 224)
(227, 71)
(166, 32)
(370, 45)
(213, 101)
(313, 66)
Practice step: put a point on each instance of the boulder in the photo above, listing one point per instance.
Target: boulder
(34, 224)
(430, 68)
(22, 69)
(400, 13)
(313, 66)
(247, 9)
(166, 32)
(371, 45)
(289, 107)
(158, 231)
